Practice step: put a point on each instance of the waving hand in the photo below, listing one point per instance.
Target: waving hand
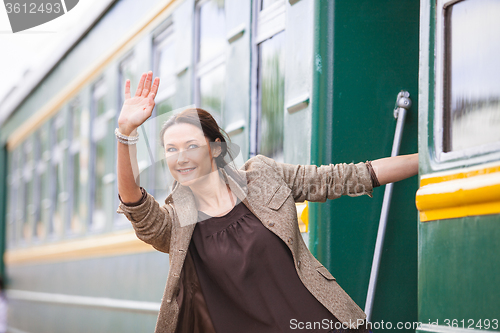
(137, 109)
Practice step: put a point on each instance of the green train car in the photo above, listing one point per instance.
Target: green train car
(301, 81)
(459, 145)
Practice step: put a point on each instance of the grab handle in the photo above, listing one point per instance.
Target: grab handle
(403, 102)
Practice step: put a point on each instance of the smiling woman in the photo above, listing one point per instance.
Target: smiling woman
(237, 258)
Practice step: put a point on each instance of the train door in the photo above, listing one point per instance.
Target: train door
(459, 144)
(365, 53)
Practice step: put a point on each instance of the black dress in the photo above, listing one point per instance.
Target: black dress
(248, 278)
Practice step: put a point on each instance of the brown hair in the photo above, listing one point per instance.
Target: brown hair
(211, 130)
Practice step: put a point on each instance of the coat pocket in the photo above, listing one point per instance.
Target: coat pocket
(326, 274)
(279, 197)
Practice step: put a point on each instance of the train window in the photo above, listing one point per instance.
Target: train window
(37, 182)
(165, 66)
(210, 59)
(103, 156)
(75, 160)
(164, 60)
(212, 89)
(27, 176)
(45, 188)
(469, 88)
(20, 203)
(127, 70)
(212, 30)
(60, 194)
(267, 120)
(10, 198)
(272, 96)
(13, 184)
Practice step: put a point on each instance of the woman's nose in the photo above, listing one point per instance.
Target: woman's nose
(182, 157)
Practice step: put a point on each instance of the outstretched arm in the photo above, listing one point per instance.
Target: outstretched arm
(393, 169)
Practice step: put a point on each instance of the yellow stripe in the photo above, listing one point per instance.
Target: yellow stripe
(98, 246)
(440, 177)
(156, 16)
(456, 212)
(470, 192)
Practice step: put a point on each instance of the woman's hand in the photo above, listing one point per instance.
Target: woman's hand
(136, 110)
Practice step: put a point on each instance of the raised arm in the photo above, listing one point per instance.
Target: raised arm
(135, 111)
(394, 169)
(151, 222)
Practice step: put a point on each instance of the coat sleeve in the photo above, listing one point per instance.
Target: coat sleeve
(152, 223)
(313, 183)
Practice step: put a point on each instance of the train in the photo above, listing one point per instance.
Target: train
(300, 81)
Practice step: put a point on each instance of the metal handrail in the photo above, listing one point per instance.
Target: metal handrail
(403, 102)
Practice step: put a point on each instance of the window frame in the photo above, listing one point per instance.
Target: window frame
(58, 122)
(74, 148)
(99, 90)
(162, 39)
(266, 24)
(14, 179)
(472, 154)
(206, 67)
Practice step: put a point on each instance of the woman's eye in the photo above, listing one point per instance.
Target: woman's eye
(193, 146)
(170, 150)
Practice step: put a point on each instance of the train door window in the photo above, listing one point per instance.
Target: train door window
(60, 193)
(75, 221)
(468, 84)
(164, 64)
(267, 118)
(103, 157)
(210, 68)
(44, 172)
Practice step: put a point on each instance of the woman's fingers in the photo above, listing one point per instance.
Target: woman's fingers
(127, 89)
(156, 84)
(147, 84)
(154, 90)
(140, 86)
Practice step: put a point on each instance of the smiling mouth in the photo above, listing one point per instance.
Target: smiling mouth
(185, 171)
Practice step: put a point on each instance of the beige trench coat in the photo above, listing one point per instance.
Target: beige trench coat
(271, 192)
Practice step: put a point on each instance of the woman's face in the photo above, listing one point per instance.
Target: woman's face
(187, 153)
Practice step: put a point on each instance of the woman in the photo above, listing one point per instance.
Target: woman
(237, 260)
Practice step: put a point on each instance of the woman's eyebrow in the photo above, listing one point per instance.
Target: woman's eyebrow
(171, 144)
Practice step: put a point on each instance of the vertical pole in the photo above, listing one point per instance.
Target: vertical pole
(402, 103)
